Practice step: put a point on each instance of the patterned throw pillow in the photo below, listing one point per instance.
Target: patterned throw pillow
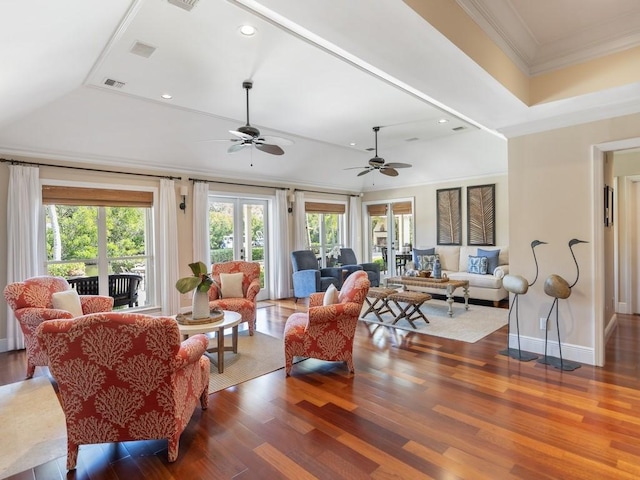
(477, 265)
(426, 262)
(417, 253)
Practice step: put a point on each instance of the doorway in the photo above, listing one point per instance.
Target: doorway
(239, 231)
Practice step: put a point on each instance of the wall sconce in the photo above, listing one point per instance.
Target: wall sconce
(291, 198)
(184, 192)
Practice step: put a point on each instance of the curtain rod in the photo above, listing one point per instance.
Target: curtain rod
(236, 184)
(326, 193)
(20, 162)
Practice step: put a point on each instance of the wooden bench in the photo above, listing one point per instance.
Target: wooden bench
(411, 311)
(123, 287)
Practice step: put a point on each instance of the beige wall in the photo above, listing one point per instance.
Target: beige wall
(425, 207)
(553, 197)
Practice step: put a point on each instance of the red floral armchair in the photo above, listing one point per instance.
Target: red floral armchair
(125, 376)
(31, 302)
(245, 305)
(327, 332)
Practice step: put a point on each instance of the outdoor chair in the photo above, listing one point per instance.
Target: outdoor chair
(32, 304)
(124, 377)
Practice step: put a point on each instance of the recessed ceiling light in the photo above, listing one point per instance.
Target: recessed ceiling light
(443, 120)
(247, 30)
(166, 96)
(353, 144)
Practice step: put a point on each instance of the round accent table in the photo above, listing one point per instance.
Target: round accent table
(229, 320)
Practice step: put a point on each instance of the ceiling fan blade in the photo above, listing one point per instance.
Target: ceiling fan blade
(397, 165)
(353, 168)
(237, 147)
(241, 135)
(268, 148)
(276, 140)
(364, 172)
(391, 172)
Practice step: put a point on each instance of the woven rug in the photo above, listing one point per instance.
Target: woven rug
(465, 325)
(257, 355)
(32, 426)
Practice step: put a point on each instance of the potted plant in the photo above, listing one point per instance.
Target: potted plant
(200, 283)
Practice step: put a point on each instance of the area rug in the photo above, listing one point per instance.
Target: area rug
(32, 426)
(257, 355)
(465, 325)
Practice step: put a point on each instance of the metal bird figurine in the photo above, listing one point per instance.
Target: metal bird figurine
(518, 285)
(557, 287)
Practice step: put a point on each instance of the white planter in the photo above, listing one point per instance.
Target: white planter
(200, 307)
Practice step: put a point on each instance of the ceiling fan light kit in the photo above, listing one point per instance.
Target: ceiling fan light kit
(378, 163)
(248, 135)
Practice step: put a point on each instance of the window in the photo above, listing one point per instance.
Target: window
(326, 230)
(88, 234)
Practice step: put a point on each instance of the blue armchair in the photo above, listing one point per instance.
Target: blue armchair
(308, 278)
(350, 263)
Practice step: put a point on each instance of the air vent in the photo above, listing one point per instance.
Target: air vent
(413, 139)
(184, 4)
(142, 49)
(114, 83)
(457, 129)
(370, 149)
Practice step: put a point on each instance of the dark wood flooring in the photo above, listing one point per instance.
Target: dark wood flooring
(417, 407)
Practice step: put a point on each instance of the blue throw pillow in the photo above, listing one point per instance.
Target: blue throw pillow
(477, 265)
(426, 262)
(420, 252)
(492, 259)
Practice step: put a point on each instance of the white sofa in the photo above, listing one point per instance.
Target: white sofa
(453, 260)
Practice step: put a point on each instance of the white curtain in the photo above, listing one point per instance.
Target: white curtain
(201, 249)
(282, 272)
(355, 226)
(168, 248)
(25, 240)
(300, 237)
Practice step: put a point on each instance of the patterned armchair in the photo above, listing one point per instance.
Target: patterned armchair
(125, 376)
(245, 305)
(31, 302)
(326, 332)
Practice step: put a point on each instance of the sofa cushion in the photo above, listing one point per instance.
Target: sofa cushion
(477, 265)
(492, 257)
(420, 252)
(449, 257)
(478, 281)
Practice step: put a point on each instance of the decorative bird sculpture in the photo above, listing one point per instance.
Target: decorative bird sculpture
(518, 285)
(557, 287)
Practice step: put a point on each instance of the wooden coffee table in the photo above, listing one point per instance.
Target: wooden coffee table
(229, 320)
(450, 286)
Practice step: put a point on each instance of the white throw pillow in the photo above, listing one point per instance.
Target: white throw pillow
(330, 296)
(231, 285)
(67, 300)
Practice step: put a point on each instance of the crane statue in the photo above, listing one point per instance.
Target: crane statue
(557, 287)
(519, 285)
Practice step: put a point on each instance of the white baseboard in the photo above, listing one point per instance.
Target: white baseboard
(611, 327)
(577, 353)
(624, 307)
(4, 345)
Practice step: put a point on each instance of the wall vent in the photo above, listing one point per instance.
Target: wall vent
(457, 129)
(142, 49)
(184, 4)
(114, 83)
(412, 139)
(370, 149)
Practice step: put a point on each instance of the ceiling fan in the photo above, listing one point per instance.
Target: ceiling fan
(248, 135)
(378, 163)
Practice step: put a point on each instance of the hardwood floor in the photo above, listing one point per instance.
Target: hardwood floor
(417, 407)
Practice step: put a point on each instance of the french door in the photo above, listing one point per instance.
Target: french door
(238, 231)
(390, 231)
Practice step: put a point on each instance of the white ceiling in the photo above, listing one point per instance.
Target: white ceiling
(324, 74)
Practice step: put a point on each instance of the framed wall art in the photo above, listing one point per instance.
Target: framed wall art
(449, 216)
(481, 215)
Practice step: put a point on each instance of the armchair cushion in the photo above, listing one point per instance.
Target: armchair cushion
(68, 300)
(231, 284)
